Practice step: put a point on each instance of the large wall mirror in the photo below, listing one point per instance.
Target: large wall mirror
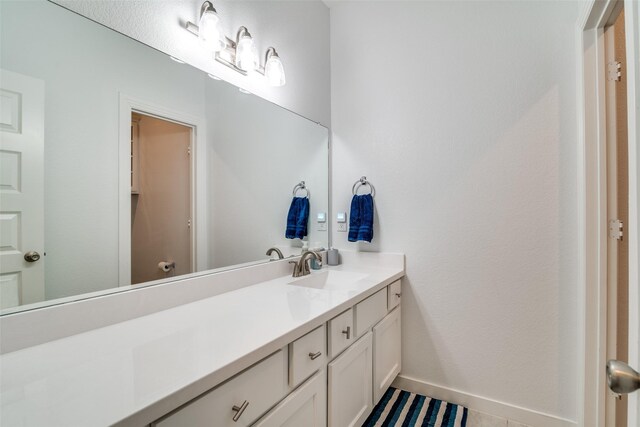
(120, 167)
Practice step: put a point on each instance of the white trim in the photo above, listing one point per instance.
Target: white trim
(199, 223)
(480, 403)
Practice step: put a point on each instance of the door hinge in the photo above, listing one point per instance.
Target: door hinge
(614, 71)
(188, 150)
(616, 229)
(188, 223)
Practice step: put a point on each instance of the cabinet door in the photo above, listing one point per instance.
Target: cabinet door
(350, 385)
(306, 406)
(386, 353)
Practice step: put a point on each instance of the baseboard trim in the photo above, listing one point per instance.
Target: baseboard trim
(482, 404)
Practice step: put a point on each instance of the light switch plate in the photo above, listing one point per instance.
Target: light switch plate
(342, 226)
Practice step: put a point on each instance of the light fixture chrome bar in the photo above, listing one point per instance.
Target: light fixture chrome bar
(192, 28)
(230, 51)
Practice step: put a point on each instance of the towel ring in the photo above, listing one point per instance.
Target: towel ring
(301, 186)
(360, 182)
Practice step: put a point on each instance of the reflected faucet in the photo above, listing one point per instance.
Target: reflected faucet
(277, 251)
(301, 268)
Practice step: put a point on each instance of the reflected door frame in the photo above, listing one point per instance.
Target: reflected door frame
(199, 245)
(592, 199)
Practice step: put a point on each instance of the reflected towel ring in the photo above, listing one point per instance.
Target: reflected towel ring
(360, 182)
(301, 186)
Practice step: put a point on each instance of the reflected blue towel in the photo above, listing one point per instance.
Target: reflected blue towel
(361, 218)
(297, 218)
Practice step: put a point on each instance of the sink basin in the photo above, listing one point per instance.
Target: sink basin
(332, 279)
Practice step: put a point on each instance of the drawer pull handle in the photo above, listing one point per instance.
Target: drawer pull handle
(398, 294)
(239, 410)
(314, 356)
(347, 332)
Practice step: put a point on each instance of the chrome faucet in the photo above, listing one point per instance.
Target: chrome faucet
(301, 267)
(276, 250)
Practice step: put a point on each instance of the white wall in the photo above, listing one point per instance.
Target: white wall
(297, 29)
(463, 115)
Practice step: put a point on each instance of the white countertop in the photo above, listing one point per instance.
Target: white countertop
(133, 372)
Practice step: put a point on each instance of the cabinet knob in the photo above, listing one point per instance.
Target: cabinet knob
(314, 356)
(398, 294)
(347, 332)
(239, 410)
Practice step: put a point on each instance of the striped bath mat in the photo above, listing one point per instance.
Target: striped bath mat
(399, 408)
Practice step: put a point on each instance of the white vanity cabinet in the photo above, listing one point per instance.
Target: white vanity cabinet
(331, 376)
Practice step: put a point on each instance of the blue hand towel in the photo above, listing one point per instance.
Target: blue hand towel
(297, 218)
(361, 218)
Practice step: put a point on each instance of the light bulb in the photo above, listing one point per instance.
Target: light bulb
(246, 53)
(274, 71)
(208, 31)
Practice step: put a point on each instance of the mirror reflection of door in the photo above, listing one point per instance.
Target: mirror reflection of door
(161, 232)
(21, 189)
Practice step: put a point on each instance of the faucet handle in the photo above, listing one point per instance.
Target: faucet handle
(296, 268)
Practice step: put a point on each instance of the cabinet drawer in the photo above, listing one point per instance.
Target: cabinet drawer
(306, 355)
(252, 393)
(370, 311)
(393, 297)
(341, 333)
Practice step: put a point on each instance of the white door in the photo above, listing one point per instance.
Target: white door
(21, 189)
(386, 353)
(350, 385)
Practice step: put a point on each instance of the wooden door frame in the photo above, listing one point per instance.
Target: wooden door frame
(199, 228)
(592, 199)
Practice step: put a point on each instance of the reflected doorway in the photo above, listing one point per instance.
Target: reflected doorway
(161, 198)
(617, 179)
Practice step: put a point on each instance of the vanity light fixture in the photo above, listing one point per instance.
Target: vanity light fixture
(207, 29)
(241, 54)
(246, 52)
(273, 68)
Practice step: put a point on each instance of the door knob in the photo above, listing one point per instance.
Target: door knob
(621, 377)
(31, 256)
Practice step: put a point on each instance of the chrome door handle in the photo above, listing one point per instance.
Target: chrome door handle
(347, 332)
(239, 410)
(622, 378)
(314, 356)
(31, 256)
